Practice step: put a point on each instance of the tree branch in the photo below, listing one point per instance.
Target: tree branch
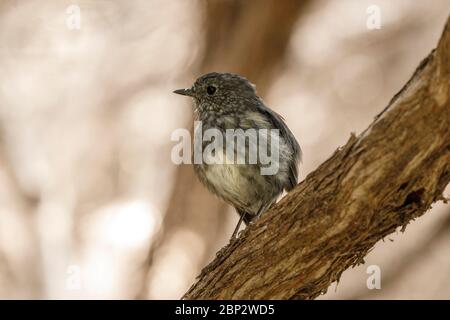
(379, 181)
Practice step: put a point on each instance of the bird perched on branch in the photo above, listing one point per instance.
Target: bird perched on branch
(255, 155)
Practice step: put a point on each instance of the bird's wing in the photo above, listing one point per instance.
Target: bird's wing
(278, 122)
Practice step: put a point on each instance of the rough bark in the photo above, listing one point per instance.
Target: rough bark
(379, 181)
(410, 260)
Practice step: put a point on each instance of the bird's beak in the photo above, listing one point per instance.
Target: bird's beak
(185, 92)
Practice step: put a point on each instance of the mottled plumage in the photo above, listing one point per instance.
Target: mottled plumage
(229, 101)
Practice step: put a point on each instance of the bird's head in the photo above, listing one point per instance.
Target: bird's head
(214, 91)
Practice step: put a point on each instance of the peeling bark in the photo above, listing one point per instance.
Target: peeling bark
(379, 181)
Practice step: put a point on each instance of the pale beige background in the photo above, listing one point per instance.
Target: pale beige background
(86, 117)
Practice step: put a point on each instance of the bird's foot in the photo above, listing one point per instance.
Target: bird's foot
(222, 251)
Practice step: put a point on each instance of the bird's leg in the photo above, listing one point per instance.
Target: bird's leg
(259, 213)
(237, 226)
(221, 251)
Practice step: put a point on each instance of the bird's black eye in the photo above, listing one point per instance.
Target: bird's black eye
(211, 90)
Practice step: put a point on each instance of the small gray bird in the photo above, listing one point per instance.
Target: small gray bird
(229, 101)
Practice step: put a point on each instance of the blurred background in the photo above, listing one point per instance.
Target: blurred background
(91, 205)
